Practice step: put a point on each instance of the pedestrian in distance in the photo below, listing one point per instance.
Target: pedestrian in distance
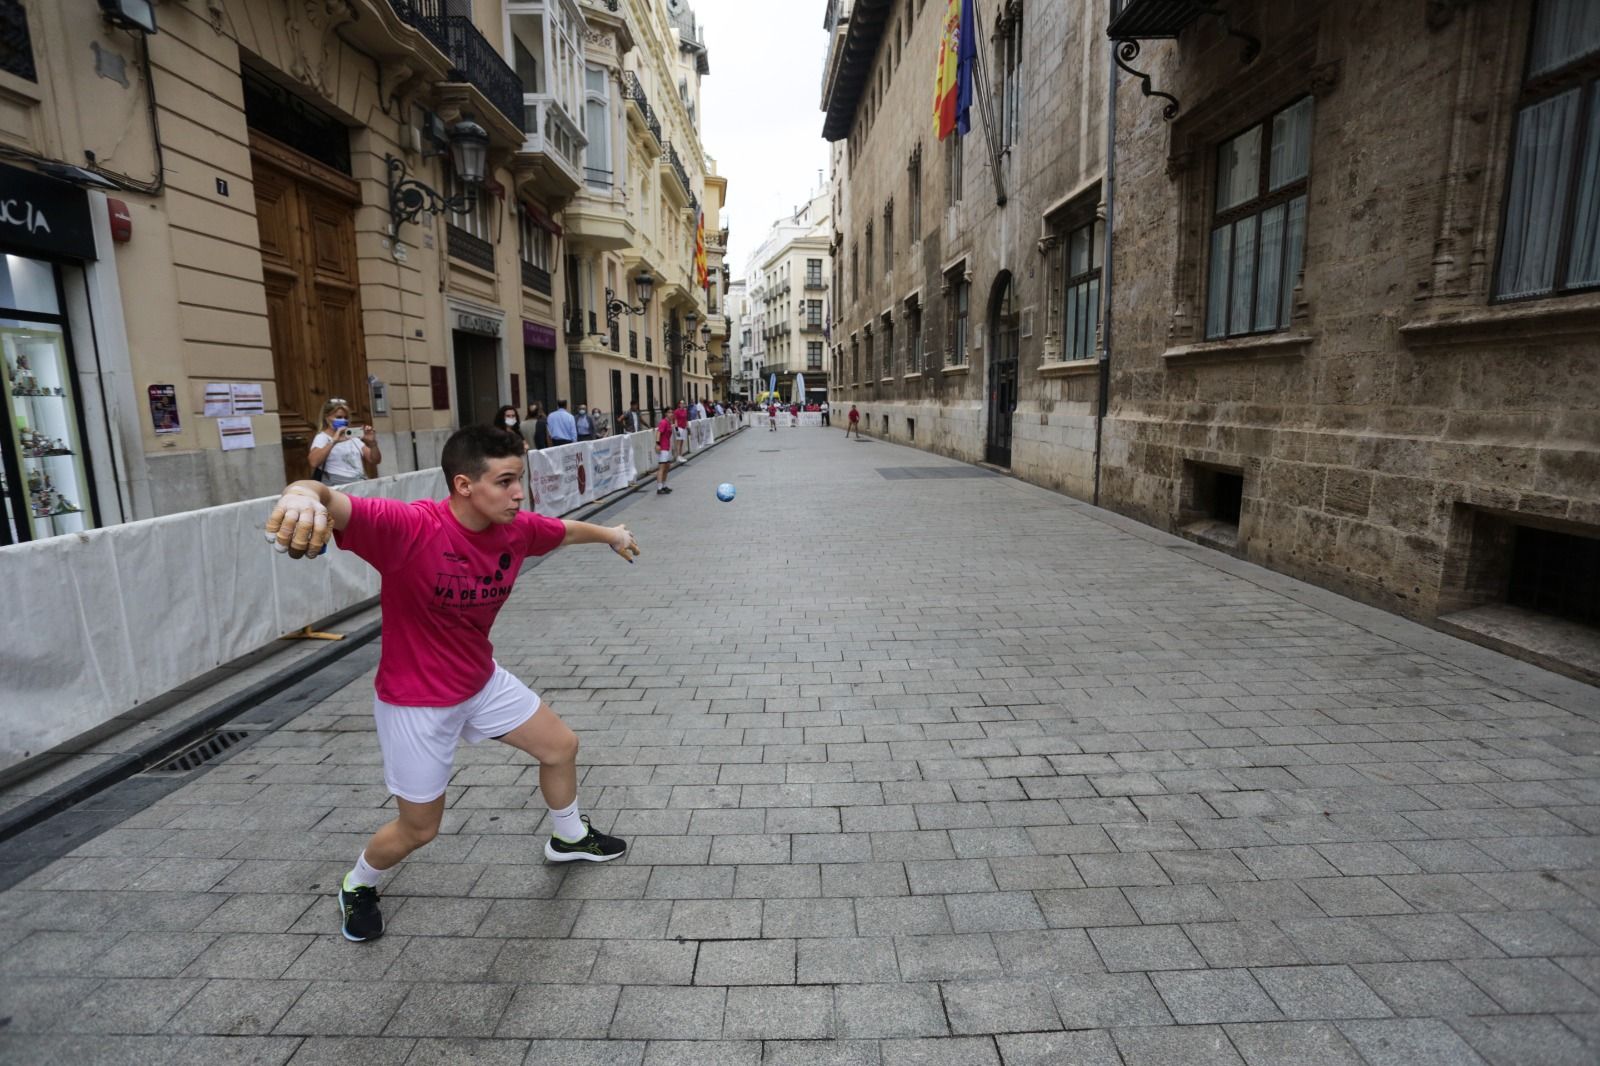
(772, 418)
(854, 423)
(824, 410)
(681, 439)
(665, 430)
(536, 428)
(448, 566)
(339, 455)
(563, 427)
(584, 423)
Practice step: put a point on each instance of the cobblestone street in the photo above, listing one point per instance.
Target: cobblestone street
(919, 764)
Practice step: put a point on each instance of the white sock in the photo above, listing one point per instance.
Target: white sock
(363, 874)
(566, 824)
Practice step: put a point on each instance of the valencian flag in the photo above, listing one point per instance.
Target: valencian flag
(701, 275)
(958, 56)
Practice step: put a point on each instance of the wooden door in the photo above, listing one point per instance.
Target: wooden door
(305, 213)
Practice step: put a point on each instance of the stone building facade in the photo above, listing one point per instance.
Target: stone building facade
(952, 324)
(246, 176)
(790, 274)
(1348, 303)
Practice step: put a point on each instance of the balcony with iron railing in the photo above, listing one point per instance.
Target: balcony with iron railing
(536, 278)
(474, 60)
(670, 157)
(634, 91)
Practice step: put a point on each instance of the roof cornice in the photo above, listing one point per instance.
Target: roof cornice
(860, 46)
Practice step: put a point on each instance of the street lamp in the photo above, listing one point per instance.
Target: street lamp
(616, 308)
(469, 155)
(687, 337)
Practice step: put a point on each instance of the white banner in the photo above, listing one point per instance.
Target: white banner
(700, 434)
(810, 418)
(556, 488)
(610, 466)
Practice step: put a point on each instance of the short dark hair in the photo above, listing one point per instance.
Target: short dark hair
(470, 448)
(561, 403)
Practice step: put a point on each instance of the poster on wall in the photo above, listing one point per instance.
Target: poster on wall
(164, 410)
(219, 400)
(247, 399)
(237, 434)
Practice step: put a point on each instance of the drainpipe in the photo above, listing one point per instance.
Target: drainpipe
(1106, 279)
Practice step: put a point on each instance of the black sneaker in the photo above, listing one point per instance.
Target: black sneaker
(594, 847)
(662, 491)
(362, 920)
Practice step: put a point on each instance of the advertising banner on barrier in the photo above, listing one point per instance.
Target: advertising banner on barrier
(559, 478)
(700, 434)
(810, 418)
(610, 466)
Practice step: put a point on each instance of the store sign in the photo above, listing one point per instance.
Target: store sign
(467, 322)
(538, 335)
(43, 216)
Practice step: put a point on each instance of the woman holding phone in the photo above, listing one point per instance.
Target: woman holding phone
(338, 455)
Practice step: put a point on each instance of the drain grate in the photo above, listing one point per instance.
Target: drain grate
(200, 752)
(770, 451)
(906, 473)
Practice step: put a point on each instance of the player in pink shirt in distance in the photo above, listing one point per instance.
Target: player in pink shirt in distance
(448, 566)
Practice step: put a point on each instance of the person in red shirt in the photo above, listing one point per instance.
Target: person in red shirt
(681, 442)
(663, 453)
(772, 418)
(855, 423)
(448, 566)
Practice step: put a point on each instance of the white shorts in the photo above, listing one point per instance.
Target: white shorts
(663, 457)
(419, 743)
(683, 434)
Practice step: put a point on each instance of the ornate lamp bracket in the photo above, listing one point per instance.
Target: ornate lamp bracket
(1135, 22)
(616, 308)
(409, 198)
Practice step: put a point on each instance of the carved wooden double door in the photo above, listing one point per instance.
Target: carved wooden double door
(306, 215)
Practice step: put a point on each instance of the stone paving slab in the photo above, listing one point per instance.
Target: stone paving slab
(915, 769)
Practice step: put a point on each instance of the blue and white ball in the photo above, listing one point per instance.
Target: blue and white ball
(725, 492)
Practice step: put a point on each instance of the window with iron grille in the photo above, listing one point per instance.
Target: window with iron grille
(914, 192)
(957, 310)
(868, 259)
(813, 273)
(888, 237)
(535, 249)
(1258, 229)
(1079, 250)
(1550, 228)
(855, 288)
(872, 355)
(1008, 57)
(813, 355)
(597, 127)
(855, 358)
(16, 44)
(888, 346)
(476, 218)
(953, 174)
(914, 339)
(814, 314)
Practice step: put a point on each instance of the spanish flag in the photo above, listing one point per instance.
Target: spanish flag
(700, 273)
(952, 87)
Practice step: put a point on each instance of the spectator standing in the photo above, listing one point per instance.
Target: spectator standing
(681, 418)
(337, 452)
(665, 431)
(772, 417)
(563, 428)
(584, 424)
(536, 428)
(825, 413)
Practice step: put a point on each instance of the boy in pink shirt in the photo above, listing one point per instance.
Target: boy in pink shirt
(663, 453)
(448, 566)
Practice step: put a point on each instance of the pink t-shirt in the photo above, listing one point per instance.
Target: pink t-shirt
(664, 435)
(682, 416)
(442, 587)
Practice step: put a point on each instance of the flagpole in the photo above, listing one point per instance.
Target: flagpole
(986, 109)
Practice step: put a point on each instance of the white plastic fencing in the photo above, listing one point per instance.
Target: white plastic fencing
(106, 620)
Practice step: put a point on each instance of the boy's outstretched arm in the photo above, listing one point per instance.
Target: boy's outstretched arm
(305, 516)
(617, 537)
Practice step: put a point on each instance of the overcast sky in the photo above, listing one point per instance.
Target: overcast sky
(762, 122)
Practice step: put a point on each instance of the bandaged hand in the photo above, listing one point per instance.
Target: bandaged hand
(299, 524)
(623, 544)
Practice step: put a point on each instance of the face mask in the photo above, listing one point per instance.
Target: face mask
(340, 423)
(511, 421)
